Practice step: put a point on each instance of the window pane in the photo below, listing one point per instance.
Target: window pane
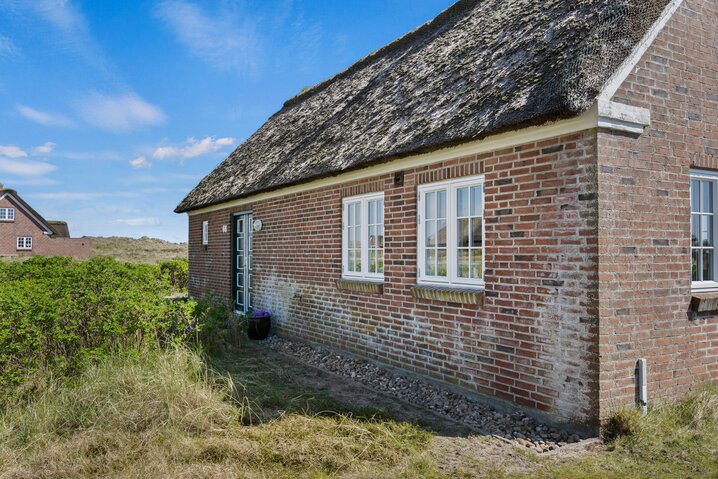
(380, 211)
(381, 237)
(357, 260)
(462, 202)
(695, 195)
(431, 262)
(351, 266)
(431, 233)
(372, 261)
(476, 232)
(476, 264)
(441, 233)
(708, 265)
(695, 229)
(441, 202)
(463, 263)
(707, 196)
(476, 201)
(694, 267)
(380, 261)
(707, 230)
(372, 237)
(442, 269)
(357, 237)
(430, 206)
(372, 212)
(462, 235)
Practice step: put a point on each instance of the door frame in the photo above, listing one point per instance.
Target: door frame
(233, 273)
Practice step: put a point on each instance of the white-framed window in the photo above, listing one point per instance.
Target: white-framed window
(363, 236)
(205, 233)
(451, 232)
(7, 214)
(24, 243)
(704, 198)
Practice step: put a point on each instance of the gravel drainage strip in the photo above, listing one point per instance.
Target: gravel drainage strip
(516, 428)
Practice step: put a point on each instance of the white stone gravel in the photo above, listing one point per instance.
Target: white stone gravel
(516, 428)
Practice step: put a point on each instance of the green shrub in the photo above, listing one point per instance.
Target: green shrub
(57, 315)
(176, 272)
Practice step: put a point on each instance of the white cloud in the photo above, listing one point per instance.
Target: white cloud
(140, 221)
(67, 196)
(12, 151)
(193, 148)
(222, 39)
(44, 118)
(120, 113)
(140, 162)
(25, 168)
(35, 181)
(8, 48)
(45, 149)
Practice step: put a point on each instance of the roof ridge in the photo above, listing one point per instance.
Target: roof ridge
(455, 10)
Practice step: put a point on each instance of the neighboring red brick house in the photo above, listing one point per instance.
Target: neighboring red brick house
(502, 199)
(24, 232)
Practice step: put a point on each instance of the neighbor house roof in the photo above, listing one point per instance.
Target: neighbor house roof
(48, 226)
(479, 68)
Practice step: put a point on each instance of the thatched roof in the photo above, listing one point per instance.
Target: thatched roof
(479, 68)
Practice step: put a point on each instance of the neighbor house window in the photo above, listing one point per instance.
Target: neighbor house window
(205, 233)
(704, 196)
(451, 232)
(363, 236)
(7, 214)
(24, 242)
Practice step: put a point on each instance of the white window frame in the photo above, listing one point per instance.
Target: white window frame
(24, 243)
(7, 215)
(364, 227)
(452, 279)
(205, 233)
(706, 176)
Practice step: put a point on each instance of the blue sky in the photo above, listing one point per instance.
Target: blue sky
(111, 111)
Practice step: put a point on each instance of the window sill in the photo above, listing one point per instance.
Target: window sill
(360, 286)
(449, 294)
(704, 302)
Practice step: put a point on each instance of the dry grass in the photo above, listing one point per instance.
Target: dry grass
(138, 250)
(164, 415)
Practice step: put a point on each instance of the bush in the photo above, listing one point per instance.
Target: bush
(176, 272)
(58, 315)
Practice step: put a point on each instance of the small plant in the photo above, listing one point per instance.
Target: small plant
(625, 422)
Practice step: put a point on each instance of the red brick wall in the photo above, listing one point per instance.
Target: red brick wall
(644, 222)
(533, 342)
(42, 244)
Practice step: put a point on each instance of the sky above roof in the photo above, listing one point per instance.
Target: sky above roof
(110, 112)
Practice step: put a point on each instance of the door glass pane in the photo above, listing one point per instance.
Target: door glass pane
(463, 233)
(476, 232)
(430, 206)
(708, 265)
(695, 195)
(463, 263)
(695, 229)
(707, 196)
(240, 279)
(707, 230)
(476, 264)
(476, 201)
(694, 267)
(462, 202)
(431, 262)
(441, 204)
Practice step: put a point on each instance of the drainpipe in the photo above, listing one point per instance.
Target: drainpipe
(642, 385)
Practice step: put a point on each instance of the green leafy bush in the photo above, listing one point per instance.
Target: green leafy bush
(57, 315)
(176, 271)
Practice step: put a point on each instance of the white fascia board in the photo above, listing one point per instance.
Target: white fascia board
(621, 117)
(47, 229)
(628, 65)
(586, 121)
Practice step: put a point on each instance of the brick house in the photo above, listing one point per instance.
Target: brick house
(24, 232)
(502, 200)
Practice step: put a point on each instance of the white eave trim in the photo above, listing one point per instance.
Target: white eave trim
(628, 65)
(586, 121)
(620, 117)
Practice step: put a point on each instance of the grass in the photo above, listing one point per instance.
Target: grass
(137, 250)
(165, 415)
